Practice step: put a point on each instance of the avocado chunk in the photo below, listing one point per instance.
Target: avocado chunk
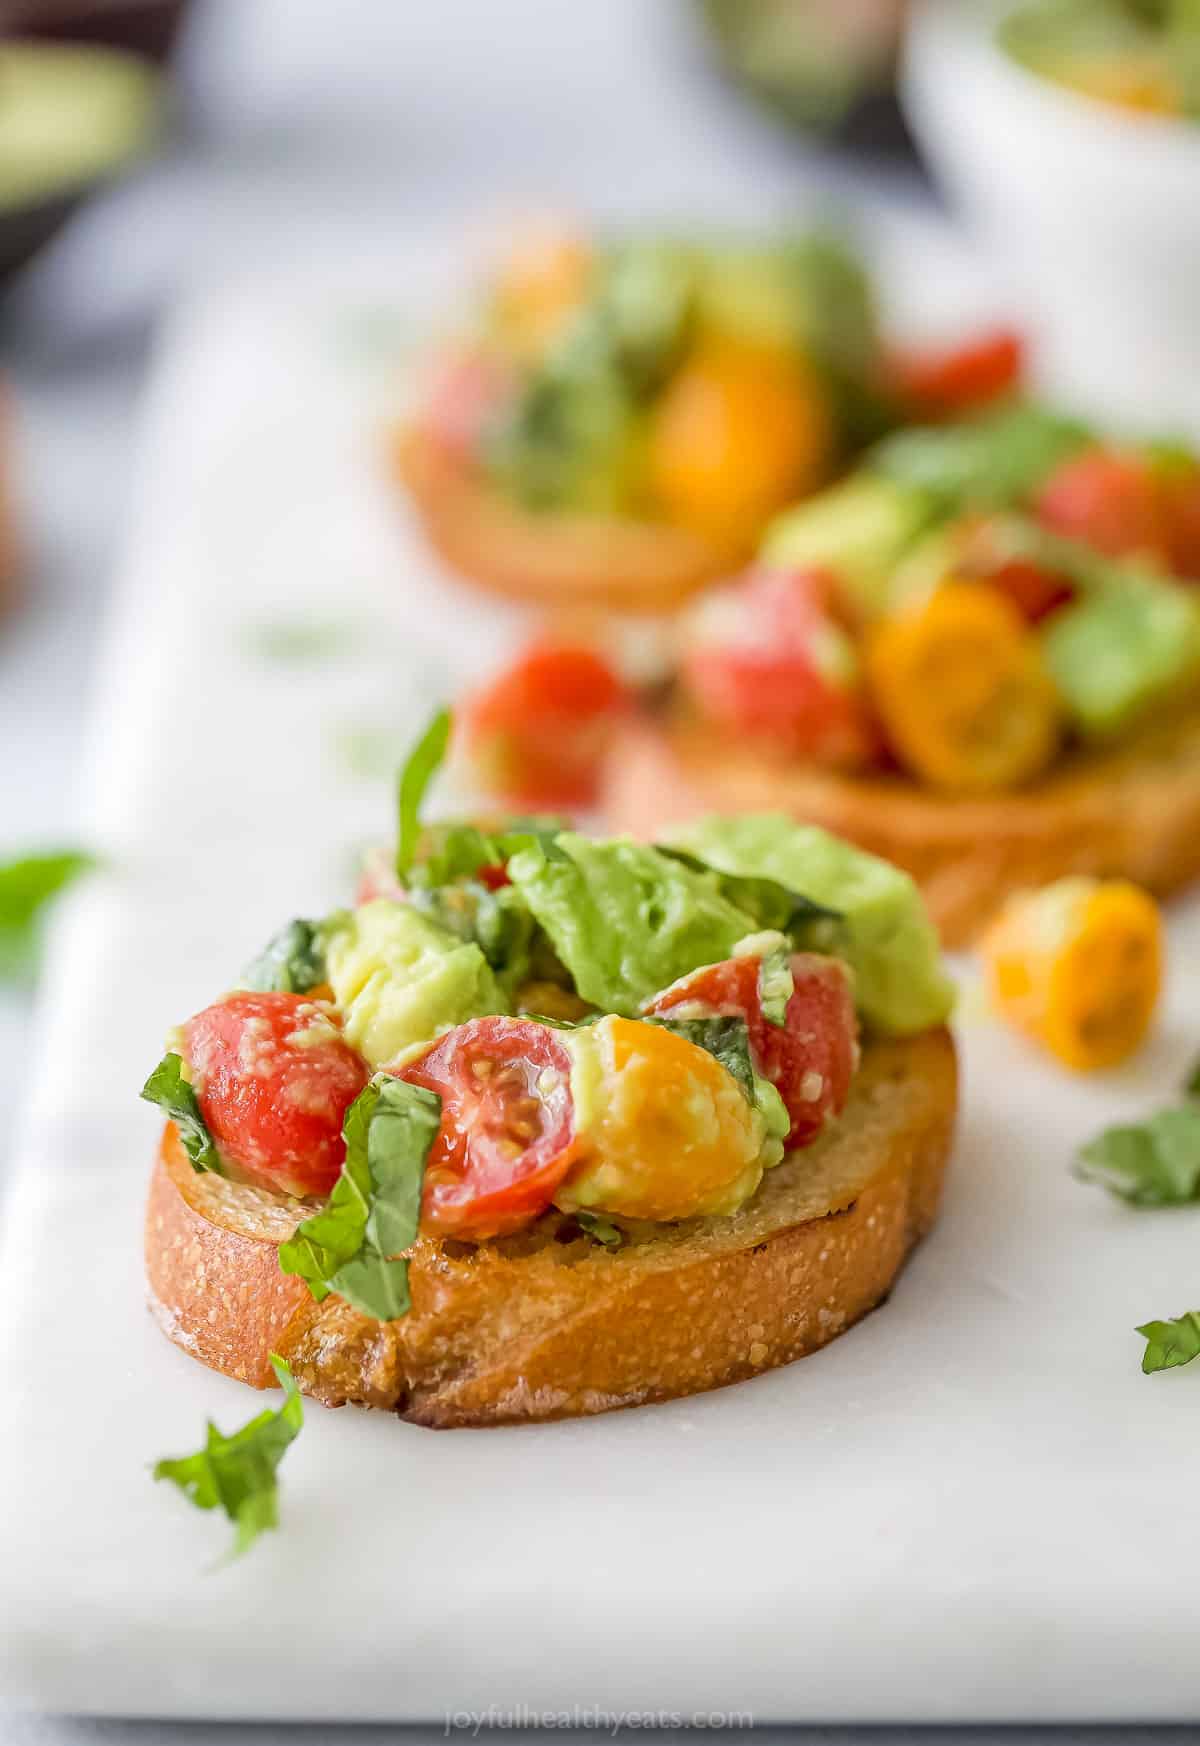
(989, 462)
(1119, 651)
(69, 113)
(890, 942)
(400, 978)
(859, 528)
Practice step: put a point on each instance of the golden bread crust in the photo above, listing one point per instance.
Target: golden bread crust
(552, 559)
(1132, 812)
(548, 1324)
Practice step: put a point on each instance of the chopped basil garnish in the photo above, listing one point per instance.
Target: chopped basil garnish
(1172, 1342)
(1152, 1163)
(26, 887)
(416, 774)
(354, 1245)
(172, 1092)
(292, 962)
(238, 1473)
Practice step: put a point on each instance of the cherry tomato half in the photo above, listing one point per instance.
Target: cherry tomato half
(1110, 501)
(768, 658)
(810, 1059)
(274, 1077)
(462, 393)
(537, 735)
(1034, 590)
(507, 1137)
(941, 381)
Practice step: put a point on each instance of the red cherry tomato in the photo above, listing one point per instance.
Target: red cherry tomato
(1035, 591)
(507, 1137)
(273, 1078)
(940, 381)
(811, 1058)
(769, 659)
(377, 877)
(463, 392)
(536, 736)
(1109, 500)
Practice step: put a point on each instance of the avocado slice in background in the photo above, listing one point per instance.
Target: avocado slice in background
(70, 114)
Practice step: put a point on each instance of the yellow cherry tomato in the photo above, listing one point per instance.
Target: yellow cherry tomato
(1144, 84)
(1077, 966)
(664, 1130)
(962, 692)
(545, 278)
(739, 431)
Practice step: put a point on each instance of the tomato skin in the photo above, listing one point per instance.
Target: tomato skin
(768, 659)
(462, 393)
(537, 735)
(1035, 591)
(273, 1079)
(507, 1137)
(1108, 500)
(940, 381)
(811, 1058)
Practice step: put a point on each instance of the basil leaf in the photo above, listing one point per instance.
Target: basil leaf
(238, 1474)
(499, 922)
(776, 986)
(1172, 1342)
(1153, 1163)
(1191, 1085)
(417, 773)
(175, 1095)
(26, 887)
(292, 962)
(726, 1039)
(600, 1229)
(774, 907)
(354, 1245)
(452, 852)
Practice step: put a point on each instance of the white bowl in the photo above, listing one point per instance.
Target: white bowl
(1092, 212)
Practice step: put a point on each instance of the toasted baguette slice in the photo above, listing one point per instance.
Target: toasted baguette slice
(553, 559)
(1133, 812)
(548, 1324)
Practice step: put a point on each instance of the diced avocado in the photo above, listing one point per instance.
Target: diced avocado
(900, 985)
(644, 309)
(859, 528)
(990, 462)
(400, 978)
(923, 568)
(1124, 648)
(625, 920)
(71, 112)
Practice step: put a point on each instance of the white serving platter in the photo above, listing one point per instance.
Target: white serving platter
(971, 1508)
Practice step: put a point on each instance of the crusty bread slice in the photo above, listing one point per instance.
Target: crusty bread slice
(1132, 812)
(615, 563)
(549, 1324)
